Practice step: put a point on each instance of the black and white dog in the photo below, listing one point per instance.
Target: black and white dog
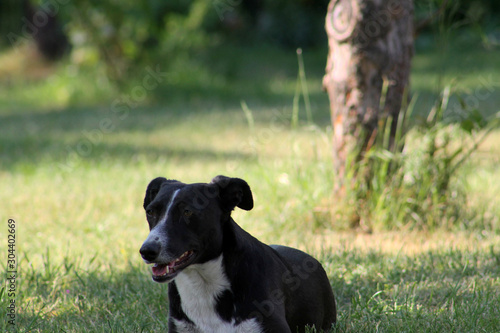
(222, 278)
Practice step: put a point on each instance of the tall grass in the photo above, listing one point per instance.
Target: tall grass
(413, 184)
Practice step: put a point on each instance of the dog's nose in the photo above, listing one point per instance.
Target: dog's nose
(150, 251)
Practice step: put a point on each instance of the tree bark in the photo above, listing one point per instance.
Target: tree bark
(370, 41)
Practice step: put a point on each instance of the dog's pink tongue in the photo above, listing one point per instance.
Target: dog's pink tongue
(159, 270)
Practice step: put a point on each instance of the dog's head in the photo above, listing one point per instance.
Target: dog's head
(186, 221)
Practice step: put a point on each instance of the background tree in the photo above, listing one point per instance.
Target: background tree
(370, 42)
(46, 31)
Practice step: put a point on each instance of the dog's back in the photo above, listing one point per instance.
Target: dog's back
(313, 303)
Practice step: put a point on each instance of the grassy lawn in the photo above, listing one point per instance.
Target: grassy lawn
(74, 174)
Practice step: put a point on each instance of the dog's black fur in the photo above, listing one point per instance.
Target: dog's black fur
(277, 288)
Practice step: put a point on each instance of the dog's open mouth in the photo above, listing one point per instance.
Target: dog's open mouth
(166, 272)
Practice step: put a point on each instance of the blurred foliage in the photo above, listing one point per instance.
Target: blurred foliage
(11, 12)
(120, 36)
(457, 13)
(462, 9)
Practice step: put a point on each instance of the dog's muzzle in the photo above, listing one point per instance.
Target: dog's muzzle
(150, 251)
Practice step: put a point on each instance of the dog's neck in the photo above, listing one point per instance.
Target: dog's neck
(199, 287)
(209, 278)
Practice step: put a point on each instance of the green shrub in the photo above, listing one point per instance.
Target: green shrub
(413, 184)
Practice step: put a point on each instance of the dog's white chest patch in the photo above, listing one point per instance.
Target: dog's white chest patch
(199, 286)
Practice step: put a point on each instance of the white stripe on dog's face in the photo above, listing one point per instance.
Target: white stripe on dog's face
(157, 234)
(170, 204)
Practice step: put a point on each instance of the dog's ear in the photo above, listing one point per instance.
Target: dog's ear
(153, 189)
(234, 192)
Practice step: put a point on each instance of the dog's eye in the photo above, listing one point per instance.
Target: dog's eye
(187, 213)
(150, 213)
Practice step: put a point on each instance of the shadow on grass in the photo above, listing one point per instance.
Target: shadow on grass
(432, 292)
(93, 135)
(265, 77)
(71, 299)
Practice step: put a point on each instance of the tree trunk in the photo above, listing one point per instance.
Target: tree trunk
(370, 41)
(46, 31)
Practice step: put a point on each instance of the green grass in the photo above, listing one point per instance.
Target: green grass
(438, 290)
(75, 189)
